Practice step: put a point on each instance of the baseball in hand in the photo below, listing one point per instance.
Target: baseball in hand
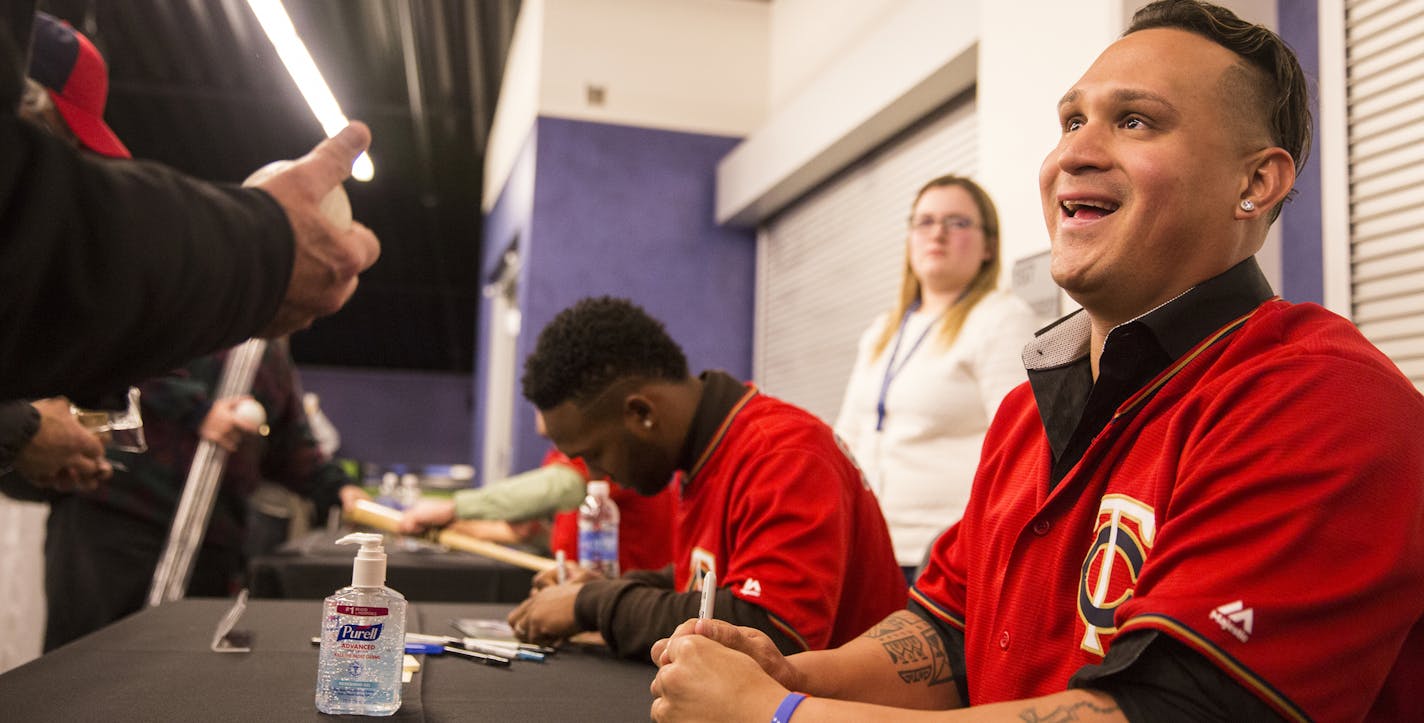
(335, 205)
(252, 412)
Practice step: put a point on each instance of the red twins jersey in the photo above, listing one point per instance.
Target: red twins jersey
(644, 528)
(1261, 501)
(779, 511)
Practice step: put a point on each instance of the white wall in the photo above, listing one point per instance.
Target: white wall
(22, 616)
(1026, 63)
(686, 65)
(518, 103)
(808, 36)
(889, 75)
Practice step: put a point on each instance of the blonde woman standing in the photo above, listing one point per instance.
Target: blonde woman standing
(930, 373)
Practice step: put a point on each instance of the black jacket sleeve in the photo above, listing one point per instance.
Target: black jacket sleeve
(634, 611)
(117, 270)
(19, 421)
(1153, 677)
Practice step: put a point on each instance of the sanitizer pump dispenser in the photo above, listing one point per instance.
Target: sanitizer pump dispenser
(362, 638)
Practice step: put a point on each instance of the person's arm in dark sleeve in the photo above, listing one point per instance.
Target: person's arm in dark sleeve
(632, 614)
(19, 421)
(657, 578)
(1153, 677)
(953, 639)
(116, 271)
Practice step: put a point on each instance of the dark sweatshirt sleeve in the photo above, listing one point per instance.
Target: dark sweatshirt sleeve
(632, 614)
(19, 421)
(113, 270)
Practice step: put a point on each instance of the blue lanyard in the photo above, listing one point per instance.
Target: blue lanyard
(891, 370)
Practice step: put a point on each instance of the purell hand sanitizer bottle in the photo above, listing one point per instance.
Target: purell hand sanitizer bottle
(362, 638)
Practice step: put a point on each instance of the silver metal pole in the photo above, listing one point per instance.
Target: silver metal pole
(195, 507)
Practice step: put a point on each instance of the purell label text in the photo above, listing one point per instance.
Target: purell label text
(368, 633)
(361, 610)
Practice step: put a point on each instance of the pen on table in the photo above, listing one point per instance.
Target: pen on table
(499, 648)
(502, 641)
(477, 656)
(709, 596)
(560, 572)
(504, 650)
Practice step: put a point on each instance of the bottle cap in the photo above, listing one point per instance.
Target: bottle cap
(369, 568)
(598, 488)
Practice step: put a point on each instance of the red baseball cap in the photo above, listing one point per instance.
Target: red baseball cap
(74, 73)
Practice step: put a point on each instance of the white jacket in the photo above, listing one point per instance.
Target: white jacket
(938, 406)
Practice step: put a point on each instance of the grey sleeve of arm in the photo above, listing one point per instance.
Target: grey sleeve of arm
(632, 614)
(536, 493)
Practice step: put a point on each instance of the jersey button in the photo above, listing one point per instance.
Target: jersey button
(1042, 527)
(1004, 640)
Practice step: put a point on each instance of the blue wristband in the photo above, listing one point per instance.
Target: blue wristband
(787, 707)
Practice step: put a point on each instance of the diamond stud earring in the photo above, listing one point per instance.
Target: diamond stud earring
(1248, 205)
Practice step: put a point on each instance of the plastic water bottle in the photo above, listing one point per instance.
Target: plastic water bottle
(390, 487)
(409, 493)
(598, 531)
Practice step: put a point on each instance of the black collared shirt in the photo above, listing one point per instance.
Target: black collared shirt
(1074, 408)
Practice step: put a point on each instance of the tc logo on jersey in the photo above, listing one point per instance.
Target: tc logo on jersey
(700, 562)
(1123, 538)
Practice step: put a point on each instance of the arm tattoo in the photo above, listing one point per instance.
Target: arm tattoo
(914, 648)
(1065, 713)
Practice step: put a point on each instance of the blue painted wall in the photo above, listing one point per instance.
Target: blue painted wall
(626, 211)
(1302, 257)
(395, 417)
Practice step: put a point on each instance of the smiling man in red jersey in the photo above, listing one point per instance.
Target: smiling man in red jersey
(1205, 505)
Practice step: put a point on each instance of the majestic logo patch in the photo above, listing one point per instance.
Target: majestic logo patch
(751, 588)
(1122, 539)
(1235, 618)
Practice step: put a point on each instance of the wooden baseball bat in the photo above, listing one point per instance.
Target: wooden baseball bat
(379, 516)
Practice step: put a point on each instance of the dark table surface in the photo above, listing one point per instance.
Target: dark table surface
(157, 666)
(314, 566)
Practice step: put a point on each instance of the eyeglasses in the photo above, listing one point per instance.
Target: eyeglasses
(925, 225)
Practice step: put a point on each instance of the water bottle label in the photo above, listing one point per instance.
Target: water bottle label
(598, 545)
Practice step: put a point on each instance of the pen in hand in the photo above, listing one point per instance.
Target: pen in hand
(709, 596)
(561, 573)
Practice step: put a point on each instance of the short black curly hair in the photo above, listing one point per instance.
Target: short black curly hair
(594, 343)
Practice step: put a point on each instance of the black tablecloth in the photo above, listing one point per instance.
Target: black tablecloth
(157, 666)
(314, 566)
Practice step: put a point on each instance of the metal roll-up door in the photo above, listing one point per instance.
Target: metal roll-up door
(1385, 123)
(829, 263)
